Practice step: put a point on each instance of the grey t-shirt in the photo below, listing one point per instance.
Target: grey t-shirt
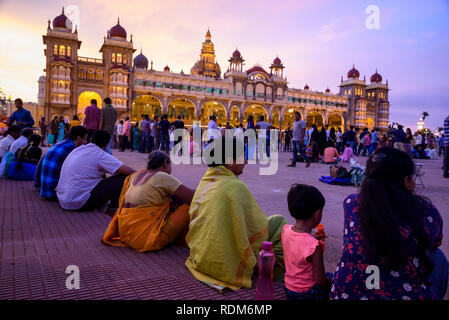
(298, 133)
(108, 115)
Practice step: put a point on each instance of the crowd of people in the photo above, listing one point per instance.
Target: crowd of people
(386, 224)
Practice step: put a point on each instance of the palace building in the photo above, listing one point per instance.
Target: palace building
(71, 81)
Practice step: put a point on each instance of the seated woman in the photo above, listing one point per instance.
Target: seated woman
(27, 159)
(147, 219)
(393, 229)
(227, 226)
(331, 155)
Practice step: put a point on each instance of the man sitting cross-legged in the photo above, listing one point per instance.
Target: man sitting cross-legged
(82, 184)
(49, 168)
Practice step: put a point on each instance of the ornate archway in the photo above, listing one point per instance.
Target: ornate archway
(84, 101)
(289, 117)
(314, 117)
(184, 108)
(213, 108)
(234, 116)
(275, 118)
(256, 111)
(145, 104)
(335, 120)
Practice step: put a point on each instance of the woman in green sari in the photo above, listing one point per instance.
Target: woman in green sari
(227, 226)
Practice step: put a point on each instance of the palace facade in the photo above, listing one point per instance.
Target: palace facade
(71, 81)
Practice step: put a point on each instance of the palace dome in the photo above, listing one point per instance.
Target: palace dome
(141, 61)
(236, 54)
(167, 68)
(62, 22)
(306, 87)
(353, 73)
(277, 61)
(256, 68)
(328, 90)
(376, 77)
(118, 31)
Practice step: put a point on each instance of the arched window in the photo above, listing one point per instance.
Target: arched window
(119, 58)
(55, 49)
(68, 51)
(113, 57)
(62, 50)
(124, 59)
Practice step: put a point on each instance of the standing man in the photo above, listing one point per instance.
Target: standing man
(156, 133)
(212, 128)
(21, 116)
(91, 119)
(165, 136)
(264, 133)
(178, 124)
(399, 137)
(108, 117)
(299, 131)
(446, 148)
(351, 139)
(145, 125)
(43, 127)
(374, 141)
(126, 133)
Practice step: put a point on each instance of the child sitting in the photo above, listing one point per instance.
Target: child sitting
(305, 277)
(348, 154)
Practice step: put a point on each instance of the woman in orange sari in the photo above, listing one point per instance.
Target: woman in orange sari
(147, 218)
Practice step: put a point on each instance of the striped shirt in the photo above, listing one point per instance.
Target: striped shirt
(51, 167)
(446, 131)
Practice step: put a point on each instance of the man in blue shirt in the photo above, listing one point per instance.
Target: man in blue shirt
(54, 158)
(374, 141)
(22, 116)
(446, 148)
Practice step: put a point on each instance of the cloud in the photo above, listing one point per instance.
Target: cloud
(339, 28)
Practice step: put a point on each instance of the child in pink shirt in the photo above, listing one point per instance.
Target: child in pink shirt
(347, 154)
(305, 277)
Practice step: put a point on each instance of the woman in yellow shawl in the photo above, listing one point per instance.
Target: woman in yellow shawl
(227, 226)
(147, 219)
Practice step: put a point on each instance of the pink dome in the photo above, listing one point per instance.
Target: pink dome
(353, 73)
(277, 61)
(62, 22)
(376, 77)
(236, 54)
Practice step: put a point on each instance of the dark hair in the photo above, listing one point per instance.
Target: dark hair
(26, 132)
(304, 200)
(127, 118)
(107, 100)
(75, 117)
(250, 118)
(147, 117)
(93, 101)
(18, 100)
(330, 143)
(165, 116)
(121, 121)
(33, 141)
(157, 159)
(77, 131)
(179, 116)
(223, 143)
(386, 205)
(261, 118)
(13, 128)
(101, 138)
(352, 127)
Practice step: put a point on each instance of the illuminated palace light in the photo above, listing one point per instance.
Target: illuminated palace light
(136, 89)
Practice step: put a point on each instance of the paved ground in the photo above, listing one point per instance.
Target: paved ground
(39, 239)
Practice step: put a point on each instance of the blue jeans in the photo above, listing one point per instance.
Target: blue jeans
(297, 147)
(372, 148)
(439, 276)
(165, 142)
(108, 148)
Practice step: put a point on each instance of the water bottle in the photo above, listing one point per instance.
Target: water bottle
(266, 259)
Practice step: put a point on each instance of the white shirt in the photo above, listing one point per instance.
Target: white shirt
(5, 145)
(81, 171)
(120, 129)
(19, 143)
(212, 130)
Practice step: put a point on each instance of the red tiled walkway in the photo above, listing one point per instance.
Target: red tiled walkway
(39, 240)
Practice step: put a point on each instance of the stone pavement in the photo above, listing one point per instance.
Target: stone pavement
(39, 239)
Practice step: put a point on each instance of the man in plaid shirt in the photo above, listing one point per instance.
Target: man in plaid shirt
(54, 158)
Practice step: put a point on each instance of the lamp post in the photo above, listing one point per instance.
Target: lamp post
(420, 124)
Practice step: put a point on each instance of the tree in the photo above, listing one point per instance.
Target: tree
(424, 115)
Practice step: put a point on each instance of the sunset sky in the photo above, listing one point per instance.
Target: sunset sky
(317, 41)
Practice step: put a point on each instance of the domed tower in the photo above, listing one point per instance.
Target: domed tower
(117, 58)
(236, 61)
(61, 52)
(378, 104)
(207, 66)
(277, 68)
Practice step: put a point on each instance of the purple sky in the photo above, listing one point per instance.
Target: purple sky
(317, 41)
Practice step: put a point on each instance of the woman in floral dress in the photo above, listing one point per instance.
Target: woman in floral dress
(390, 228)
